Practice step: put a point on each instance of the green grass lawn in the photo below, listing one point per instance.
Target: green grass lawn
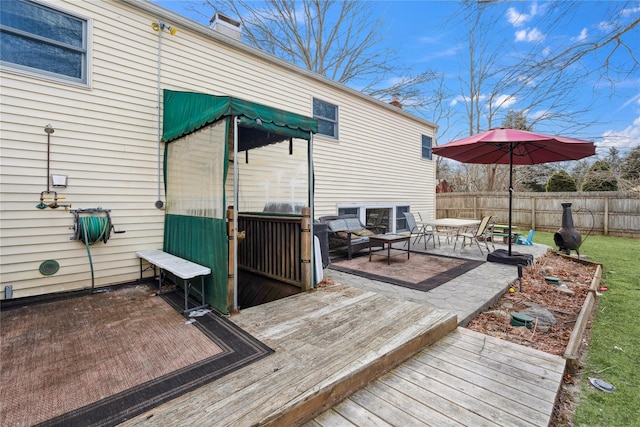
(613, 353)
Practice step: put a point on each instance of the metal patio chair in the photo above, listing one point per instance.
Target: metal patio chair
(419, 231)
(483, 233)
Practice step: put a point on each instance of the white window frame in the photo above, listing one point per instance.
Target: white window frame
(326, 119)
(430, 148)
(363, 206)
(83, 50)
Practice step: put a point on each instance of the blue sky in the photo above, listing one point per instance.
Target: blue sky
(429, 34)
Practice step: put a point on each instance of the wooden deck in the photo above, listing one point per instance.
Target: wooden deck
(466, 379)
(328, 343)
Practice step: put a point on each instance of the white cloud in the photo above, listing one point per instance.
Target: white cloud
(504, 101)
(582, 36)
(629, 11)
(444, 53)
(622, 139)
(526, 80)
(605, 27)
(635, 99)
(463, 98)
(458, 99)
(537, 115)
(527, 35)
(518, 19)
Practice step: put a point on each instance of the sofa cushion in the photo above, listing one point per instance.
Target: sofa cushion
(353, 224)
(359, 240)
(337, 225)
(344, 235)
(363, 232)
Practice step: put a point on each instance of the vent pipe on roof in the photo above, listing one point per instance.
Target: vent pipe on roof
(396, 102)
(225, 25)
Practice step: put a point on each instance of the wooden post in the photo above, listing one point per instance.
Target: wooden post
(232, 261)
(533, 213)
(606, 217)
(305, 249)
(475, 207)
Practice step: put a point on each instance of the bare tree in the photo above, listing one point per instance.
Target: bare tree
(614, 46)
(341, 40)
(488, 87)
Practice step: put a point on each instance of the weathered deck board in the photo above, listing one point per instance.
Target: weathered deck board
(328, 343)
(378, 404)
(503, 361)
(466, 378)
(330, 418)
(413, 415)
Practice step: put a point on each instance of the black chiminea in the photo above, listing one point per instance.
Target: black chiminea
(567, 238)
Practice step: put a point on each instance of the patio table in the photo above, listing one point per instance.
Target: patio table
(452, 222)
(390, 239)
(454, 225)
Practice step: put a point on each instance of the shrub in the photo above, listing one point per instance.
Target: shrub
(561, 181)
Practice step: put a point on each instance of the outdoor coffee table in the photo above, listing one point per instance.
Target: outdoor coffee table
(389, 240)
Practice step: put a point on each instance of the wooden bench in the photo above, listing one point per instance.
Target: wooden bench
(500, 230)
(181, 268)
(514, 237)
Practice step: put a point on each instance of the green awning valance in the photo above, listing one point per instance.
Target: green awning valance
(186, 112)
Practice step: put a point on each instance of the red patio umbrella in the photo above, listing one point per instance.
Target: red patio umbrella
(515, 147)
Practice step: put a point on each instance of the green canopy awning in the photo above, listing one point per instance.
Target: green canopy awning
(186, 112)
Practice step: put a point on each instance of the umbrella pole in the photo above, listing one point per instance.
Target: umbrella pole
(510, 193)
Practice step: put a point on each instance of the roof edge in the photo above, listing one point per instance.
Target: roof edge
(184, 22)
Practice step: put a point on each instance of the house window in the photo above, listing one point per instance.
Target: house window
(378, 217)
(327, 115)
(39, 39)
(427, 143)
(401, 221)
(349, 211)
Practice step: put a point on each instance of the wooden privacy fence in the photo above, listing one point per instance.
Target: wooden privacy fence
(277, 246)
(615, 213)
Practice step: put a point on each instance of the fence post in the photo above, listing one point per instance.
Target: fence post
(475, 206)
(533, 213)
(605, 231)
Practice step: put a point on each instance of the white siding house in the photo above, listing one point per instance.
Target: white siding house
(107, 115)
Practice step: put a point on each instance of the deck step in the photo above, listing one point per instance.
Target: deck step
(466, 378)
(328, 344)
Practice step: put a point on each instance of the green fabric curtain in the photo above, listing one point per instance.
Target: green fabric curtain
(185, 112)
(203, 241)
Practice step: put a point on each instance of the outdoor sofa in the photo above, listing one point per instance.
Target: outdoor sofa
(347, 234)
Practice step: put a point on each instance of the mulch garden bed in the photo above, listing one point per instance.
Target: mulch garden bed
(563, 299)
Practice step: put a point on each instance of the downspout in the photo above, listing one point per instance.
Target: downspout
(235, 213)
(311, 207)
(159, 203)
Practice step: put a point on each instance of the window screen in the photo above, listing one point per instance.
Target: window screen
(327, 115)
(40, 39)
(427, 143)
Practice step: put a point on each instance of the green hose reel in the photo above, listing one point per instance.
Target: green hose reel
(92, 226)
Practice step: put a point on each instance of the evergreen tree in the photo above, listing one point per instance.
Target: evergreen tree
(600, 177)
(560, 181)
(630, 168)
(516, 120)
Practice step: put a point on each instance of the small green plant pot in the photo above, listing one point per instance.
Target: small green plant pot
(518, 319)
(552, 280)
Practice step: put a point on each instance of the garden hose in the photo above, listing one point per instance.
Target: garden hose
(92, 229)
